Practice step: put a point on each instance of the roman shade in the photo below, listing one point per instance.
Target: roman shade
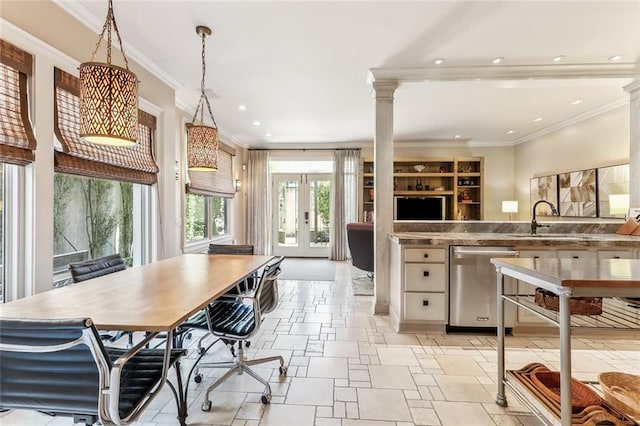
(215, 183)
(17, 141)
(133, 164)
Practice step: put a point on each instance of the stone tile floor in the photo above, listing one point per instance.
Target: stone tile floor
(348, 367)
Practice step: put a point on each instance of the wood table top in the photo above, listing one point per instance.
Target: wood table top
(613, 273)
(154, 297)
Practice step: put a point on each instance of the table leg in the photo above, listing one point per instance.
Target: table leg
(565, 361)
(501, 398)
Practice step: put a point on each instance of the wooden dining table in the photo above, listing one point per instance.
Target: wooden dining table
(154, 298)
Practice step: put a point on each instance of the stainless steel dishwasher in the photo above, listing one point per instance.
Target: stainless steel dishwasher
(472, 287)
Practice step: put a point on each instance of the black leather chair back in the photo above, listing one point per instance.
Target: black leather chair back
(267, 290)
(360, 239)
(64, 382)
(82, 271)
(230, 249)
(60, 366)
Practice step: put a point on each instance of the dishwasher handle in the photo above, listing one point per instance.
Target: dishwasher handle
(501, 253)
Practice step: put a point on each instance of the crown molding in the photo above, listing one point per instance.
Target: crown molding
(574, 120)
(504, 72)
(82, 15)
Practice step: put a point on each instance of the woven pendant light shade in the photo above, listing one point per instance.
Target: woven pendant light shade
(108, 104)
(202, 148)
(202, 140)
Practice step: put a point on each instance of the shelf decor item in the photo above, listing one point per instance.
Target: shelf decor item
(577, 305)
(419, 168)
(549, 383)
(622, 391)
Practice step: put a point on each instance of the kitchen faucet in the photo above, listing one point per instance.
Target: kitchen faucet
(535, 225)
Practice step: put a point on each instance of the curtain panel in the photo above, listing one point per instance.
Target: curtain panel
(219, 183)
(258, 205)
(17, 140)
(74, 155)
(344, 199)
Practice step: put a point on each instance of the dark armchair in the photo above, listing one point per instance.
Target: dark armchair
(61, 367)
(360, 239)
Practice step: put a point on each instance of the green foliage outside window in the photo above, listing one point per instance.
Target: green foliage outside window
(195, 218)
(126, 222)
(100, 218)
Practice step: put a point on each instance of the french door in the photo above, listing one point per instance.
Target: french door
(301, 214)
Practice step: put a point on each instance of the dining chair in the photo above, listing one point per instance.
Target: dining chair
(93, 268)
(360, 240)
(238, 320)
(247, 249)
(62, 368)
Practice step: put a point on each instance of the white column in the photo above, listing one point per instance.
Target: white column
(383, 201)
(634, 143)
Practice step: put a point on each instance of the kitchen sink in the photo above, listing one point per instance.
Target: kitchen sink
(556, 236)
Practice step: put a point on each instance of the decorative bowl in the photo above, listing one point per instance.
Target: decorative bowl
(419, 168)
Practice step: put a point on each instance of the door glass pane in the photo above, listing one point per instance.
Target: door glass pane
(319, 196)
(288, 193)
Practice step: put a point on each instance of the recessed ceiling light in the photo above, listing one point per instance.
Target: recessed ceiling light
(576, 102)
(615, 58)
(497, 60)
(537, 119)
(242, 107)
(257, 123)
(267, 135)
(510, 132)
(557, 58)
(457, 136)
(439, 61)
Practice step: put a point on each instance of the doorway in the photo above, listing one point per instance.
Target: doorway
(301, 214)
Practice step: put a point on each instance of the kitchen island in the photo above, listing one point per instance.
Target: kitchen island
(419, 298)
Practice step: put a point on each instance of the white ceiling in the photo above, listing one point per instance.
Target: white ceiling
(302, 67)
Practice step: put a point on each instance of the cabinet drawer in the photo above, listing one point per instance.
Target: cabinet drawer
(576, 254)
(537, 254)
(424, 255)
(424, 277)
(424, 306)
(615, 254)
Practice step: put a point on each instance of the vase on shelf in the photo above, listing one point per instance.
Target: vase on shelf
(419, 185)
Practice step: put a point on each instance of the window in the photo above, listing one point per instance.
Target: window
(92, 218)
(2, 260)
(205, 217)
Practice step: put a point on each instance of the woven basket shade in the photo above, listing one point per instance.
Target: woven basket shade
(134, 164)
(202, 148)
(108, 104)
(17, 140)
(218, 184)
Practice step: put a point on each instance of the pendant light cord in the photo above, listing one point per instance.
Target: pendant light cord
(203, 96)
(106, 28)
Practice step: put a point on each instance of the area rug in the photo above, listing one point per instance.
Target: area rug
(362, 286)
(302, 269)
(360, 283)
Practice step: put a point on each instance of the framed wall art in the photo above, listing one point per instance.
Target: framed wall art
(612, 181)
(544, 188)
(577, 192)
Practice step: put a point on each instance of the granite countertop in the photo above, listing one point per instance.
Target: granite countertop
(605, 240)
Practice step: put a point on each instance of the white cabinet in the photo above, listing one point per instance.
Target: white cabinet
(576, 254)
(615, 254)
(420, 275)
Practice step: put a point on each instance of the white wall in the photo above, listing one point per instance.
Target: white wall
(498, 169)
(600, 141)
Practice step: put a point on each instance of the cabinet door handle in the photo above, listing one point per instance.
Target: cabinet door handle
(426, 255)
(425, 303)
(425, 273)
(576, 257)
(536, 257)
(616, 257)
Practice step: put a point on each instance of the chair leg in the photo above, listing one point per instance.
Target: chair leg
(241, 365)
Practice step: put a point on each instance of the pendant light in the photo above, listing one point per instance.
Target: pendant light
(202, 140)
(108, 95)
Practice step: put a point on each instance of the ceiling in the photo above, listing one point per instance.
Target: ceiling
(301, 68)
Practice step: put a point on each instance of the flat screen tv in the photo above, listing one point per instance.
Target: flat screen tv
(419, 208)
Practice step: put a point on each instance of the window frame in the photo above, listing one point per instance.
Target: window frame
(227, 236)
